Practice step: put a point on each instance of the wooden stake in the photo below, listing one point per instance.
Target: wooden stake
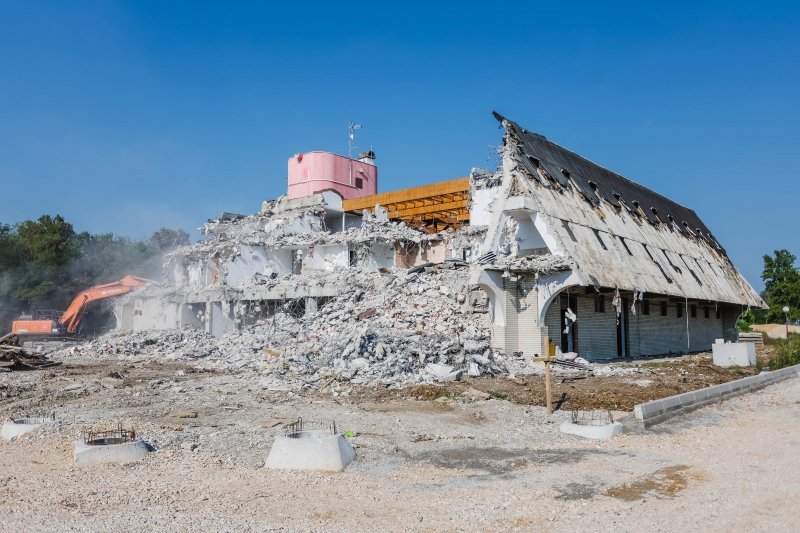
(548, 395)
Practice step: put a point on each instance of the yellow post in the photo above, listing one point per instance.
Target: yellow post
(548, 395)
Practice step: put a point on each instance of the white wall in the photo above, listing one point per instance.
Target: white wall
(327, 258)
(381, 256)
(480, 213)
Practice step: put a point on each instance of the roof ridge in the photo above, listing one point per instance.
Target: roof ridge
(605, 168)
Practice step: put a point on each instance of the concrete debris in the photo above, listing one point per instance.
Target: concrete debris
(540, 264)
(391, 329)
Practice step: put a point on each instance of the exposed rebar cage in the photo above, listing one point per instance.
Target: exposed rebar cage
(594, 418)
(117, 435)
(294, 429)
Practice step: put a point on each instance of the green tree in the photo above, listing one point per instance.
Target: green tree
(44, 263)
(167, 239)
(781, 285)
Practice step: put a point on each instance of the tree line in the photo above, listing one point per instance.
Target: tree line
(781, 289)
(45, 263)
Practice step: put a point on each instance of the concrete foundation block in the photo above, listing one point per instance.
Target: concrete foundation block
(311, 450)
(733, 353)
(14, 428)
(591, 429)
(126, 452)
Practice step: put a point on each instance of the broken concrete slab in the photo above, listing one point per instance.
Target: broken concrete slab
(443, 372)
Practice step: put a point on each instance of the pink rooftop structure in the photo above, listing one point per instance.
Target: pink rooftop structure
(315, 172)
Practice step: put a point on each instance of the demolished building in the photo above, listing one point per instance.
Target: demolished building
(548, 252)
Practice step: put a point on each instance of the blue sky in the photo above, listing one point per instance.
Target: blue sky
(128, 116)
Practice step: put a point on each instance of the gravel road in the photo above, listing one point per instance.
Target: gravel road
(421, 465)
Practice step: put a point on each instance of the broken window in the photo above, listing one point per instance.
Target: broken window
(663, 308)
(599, 303)
(625, 245)
(600, 239)
(679, 310)
(663, 272)
(705, 312)
(569, 230)
(352, 257)
(673, 265)
(699, 265)
(693, 310)
(645, 307)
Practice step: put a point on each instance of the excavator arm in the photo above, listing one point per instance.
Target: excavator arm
(71, 318)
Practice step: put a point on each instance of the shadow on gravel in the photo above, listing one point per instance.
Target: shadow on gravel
(497, 461)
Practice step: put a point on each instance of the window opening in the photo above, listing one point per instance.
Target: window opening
(600, 239)
(599, 303)
(569, 230)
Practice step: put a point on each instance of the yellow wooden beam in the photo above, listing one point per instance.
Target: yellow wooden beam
(460, 185)
(428, 209)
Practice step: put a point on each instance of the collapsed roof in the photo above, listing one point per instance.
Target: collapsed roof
(676, 253)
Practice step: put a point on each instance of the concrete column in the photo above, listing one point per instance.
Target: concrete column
(209, 315)
(311, 305)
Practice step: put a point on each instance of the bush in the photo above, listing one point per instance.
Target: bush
(787, 352)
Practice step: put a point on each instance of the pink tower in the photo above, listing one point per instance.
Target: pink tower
(315, 172)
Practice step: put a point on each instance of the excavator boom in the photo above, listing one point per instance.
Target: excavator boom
(71, 319)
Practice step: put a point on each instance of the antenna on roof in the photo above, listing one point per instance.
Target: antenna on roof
(351, 135)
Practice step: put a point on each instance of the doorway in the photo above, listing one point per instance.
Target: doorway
(569, 341)
(623, 340)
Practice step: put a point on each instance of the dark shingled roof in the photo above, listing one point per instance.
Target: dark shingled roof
(564, 166)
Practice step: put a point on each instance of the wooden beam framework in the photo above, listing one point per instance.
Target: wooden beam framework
(433, 207)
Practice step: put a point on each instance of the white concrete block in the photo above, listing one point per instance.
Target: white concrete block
(125, 452)
(734, 354)
(14, 428)
(591, 429)
(311, 450)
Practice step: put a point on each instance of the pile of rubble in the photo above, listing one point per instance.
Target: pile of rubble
(392, 328)
(13, 357)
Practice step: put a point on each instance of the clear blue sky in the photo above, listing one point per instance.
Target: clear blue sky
(128, 116)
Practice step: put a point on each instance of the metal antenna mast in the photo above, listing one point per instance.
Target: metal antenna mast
(351, 135)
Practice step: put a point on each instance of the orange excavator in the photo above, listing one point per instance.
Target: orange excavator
(68, 323)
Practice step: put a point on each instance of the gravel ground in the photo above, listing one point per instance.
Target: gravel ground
(421, 465)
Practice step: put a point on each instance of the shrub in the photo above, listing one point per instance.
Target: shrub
(787, 352)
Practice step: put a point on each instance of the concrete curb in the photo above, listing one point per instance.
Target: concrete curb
(657, 411)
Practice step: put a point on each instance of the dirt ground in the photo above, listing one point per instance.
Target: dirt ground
(437, 463)
(577, 390)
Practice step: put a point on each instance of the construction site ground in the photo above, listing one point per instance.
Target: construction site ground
(434, 457)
